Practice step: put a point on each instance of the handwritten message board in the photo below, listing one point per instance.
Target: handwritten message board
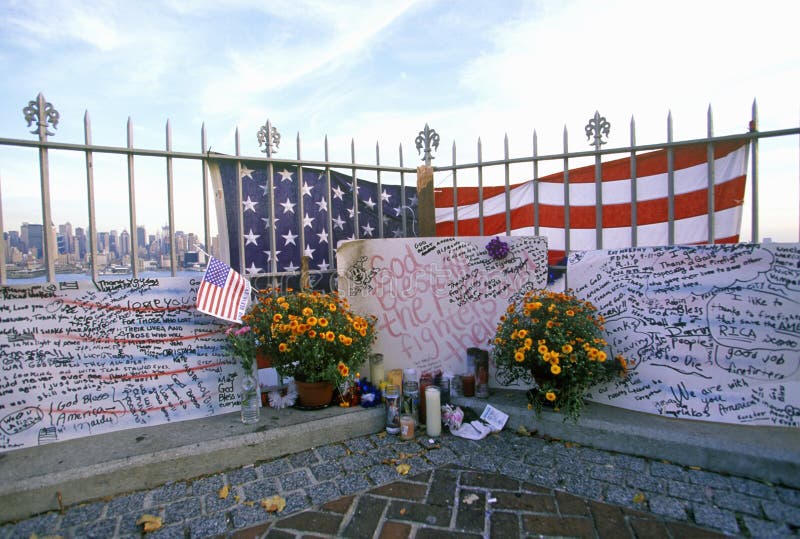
(79, 360)
(436, 297)
(714, 330)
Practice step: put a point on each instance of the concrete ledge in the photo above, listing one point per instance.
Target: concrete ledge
(110, 464)
(763, 453)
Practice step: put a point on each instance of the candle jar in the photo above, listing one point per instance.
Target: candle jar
(424, 382)
(392, 403)
(468, 385)
(481, 361)
(407, 427)
(376, 373)
(433, 410)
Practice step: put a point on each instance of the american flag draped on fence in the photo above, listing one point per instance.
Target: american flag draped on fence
(327, 217)
(691, 181)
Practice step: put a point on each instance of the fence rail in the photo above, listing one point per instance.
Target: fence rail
(42, 114)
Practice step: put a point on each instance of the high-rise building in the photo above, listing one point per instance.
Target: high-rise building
(81, 243)
(141, 237)
(124, 246)
(102, 242)
(65, 230)
(33, 238)
(113, 244)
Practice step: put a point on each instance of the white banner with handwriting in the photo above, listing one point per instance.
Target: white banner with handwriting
(436, 297)
(714, 330)
(79, 360)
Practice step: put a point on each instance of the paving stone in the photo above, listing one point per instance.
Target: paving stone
(243, 516)
(273, 468)
(80, 514)
(441, 456)
(582, 485)
(433, 533)
(403, 490)
(352, 483)
(207, 526)
(326, 471)
(242, 475)
(295, 501)
(681, 529)
(569, 504)
(127, 523)
(710, 479)
(366, 517)
(503, 525)
(434, 515)
(753, 488)
(99, 529)
(622, 496)
(788, 496)
(208, 485)
(311, 521)
(782, 512)
(324, 492)
(489, 480)
(382, 438)
(595, 455)
(360, 445)
(340, 505)
(214, 504)
(168, 532)
(765, 528)
(263, 488)
(126, 503)
(44, 524)
(668, 507)
(608, 473)
(443, 488)
(571, 526)
(645, 482)
(471, 511)
(295, 480)
(181, 510)
(168, 493)
(516, 469)
(669, 471)
(382, 473)
(331, 451)
(521, 501)
(608, 520)
(355, 463)
(395, 530)
(741, 503)
(651, 528)
(303, 459)
(686, 491)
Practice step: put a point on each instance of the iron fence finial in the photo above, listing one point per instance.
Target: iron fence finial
(44, 114)
(428, 138)
(598, 127)
(268, 136)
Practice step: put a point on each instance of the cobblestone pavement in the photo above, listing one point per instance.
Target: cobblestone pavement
(506, 485)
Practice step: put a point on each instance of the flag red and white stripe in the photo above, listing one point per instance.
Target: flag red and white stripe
(223, 292)
(691, 223)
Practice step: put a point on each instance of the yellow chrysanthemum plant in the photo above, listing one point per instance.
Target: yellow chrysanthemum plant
(311, 336)
(554, 341)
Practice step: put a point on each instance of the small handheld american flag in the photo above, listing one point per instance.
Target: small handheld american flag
(223, 293)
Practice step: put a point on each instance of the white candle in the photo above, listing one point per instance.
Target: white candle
(433, 411)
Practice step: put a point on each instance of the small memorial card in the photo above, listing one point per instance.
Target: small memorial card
(494, 417)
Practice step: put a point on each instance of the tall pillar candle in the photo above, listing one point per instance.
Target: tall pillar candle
(433, 411)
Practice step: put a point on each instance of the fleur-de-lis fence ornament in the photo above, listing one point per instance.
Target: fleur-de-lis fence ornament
(43, 114)
(427, 139)
(598, 127)
(269, 137)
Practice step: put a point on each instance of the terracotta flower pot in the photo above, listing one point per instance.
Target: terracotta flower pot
(314, 394)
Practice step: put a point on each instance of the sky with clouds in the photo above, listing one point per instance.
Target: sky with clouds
(376, 73)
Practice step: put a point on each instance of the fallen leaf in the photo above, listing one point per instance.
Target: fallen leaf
(470, 498)
(403, 469)
(382, 434)
(695, 468)
(223, 492)
(236, 498)
(149, 523)
(390, 461)
(639, 498)
(523, 431)
(274, 504)
(402, 510)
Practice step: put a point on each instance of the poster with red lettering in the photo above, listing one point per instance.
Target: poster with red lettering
(436, 297)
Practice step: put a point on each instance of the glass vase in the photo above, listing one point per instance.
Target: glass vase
(251, 400)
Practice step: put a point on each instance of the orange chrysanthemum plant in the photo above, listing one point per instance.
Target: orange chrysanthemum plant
(554, 341)
(310, 335)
